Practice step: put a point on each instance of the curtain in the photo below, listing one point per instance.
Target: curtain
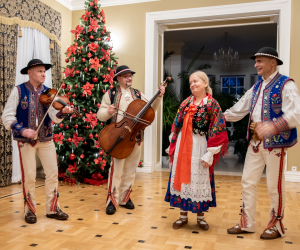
(8, 58)
(56, 68)
(33, 44)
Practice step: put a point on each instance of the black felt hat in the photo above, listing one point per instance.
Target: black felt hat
(35, 62)
(122, 70)
(269, 52)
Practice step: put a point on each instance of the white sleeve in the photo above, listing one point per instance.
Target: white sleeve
(102, 113)
(240, 109)
(56, 115)
(209, 155)
(156, 102)
(10, 110)
(291, 104)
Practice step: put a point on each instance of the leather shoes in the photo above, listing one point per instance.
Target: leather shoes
(58, 215)
(270, 234)
(128, 205)
(30, 217)
(236, 230)
(110, 209)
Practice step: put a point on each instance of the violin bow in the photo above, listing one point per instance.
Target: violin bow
(37, 130)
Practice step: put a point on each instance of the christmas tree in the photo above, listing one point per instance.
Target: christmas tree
(88, 76)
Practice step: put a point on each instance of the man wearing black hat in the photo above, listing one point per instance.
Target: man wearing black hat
(122, 171)
(273, 103)
(23, 113)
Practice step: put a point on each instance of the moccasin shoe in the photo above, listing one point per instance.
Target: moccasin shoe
(236, 230)
(110, 209)
(30, 217)
(202, 224)
(270, 234)
(128, 205)
(58, 215)
(180, 223)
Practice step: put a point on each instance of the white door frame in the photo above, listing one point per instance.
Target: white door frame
(155, 22)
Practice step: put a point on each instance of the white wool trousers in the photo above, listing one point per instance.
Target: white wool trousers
(121, 177)
(47, 154)
(256, 159)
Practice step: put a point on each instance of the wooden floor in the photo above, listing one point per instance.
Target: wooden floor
(148, 226)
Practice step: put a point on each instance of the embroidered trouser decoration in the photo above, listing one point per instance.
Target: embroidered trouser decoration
(30, 204)
(256, 148)
(111, 195)
(127, 195)
(243, 221)
(54, 201)
(280, 211)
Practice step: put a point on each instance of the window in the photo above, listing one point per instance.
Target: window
(233, 84)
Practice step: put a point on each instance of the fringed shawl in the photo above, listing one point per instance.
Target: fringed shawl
(217, 133)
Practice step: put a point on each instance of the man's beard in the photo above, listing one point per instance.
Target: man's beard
(127, 86)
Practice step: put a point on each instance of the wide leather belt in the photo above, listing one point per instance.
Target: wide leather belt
(255, 136)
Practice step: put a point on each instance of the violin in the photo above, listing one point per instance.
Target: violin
(118, 139)
(50, 96)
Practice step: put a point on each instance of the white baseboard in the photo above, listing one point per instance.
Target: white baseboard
(145, 169)
(291, 176)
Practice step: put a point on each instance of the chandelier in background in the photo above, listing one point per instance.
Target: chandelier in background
(225, 56)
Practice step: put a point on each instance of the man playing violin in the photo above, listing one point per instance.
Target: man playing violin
(23, 113)
(122, 171)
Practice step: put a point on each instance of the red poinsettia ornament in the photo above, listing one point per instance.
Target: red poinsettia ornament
(58, 138)
(76, 139)
(87, 88)
(92, 118)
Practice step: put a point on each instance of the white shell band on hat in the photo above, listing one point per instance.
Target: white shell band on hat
(120, 72)
(264, 54)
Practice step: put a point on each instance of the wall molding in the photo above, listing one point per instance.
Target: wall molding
(79, 4)
(292, 176)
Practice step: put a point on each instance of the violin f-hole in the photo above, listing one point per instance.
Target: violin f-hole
(133, 132)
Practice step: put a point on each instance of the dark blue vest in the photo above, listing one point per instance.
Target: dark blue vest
(29, 107)
(272, 111)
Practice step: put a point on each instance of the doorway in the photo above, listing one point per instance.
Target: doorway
(231, 75)
(157, 23)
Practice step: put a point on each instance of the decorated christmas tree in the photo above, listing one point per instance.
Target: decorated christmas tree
(88, 76)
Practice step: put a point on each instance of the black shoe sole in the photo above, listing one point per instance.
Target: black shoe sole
(126, 207)
(31, 222)
(110, 213)
(56, 218)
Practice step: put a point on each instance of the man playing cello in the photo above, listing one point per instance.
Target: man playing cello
(122, 171)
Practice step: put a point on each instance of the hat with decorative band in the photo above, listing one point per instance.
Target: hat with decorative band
(269, 52)
(122, 70)
(33, 63)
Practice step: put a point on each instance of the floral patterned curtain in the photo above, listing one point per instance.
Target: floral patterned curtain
(8, 58)
(56, 68)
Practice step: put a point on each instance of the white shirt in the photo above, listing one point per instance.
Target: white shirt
(10, 110)
(290, 104)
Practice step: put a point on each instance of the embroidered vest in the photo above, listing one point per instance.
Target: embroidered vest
(272, 111)
(115, 95)
(28, 109)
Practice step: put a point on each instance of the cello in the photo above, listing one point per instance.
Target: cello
(118, 138)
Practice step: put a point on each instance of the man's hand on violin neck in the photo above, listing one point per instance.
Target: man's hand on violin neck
(28, 133)
(162, 91)
(67, 110)
(111, 109)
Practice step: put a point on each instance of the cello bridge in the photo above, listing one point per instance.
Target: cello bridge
(129, 129)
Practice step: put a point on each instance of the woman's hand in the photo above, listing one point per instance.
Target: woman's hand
(205, 164)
